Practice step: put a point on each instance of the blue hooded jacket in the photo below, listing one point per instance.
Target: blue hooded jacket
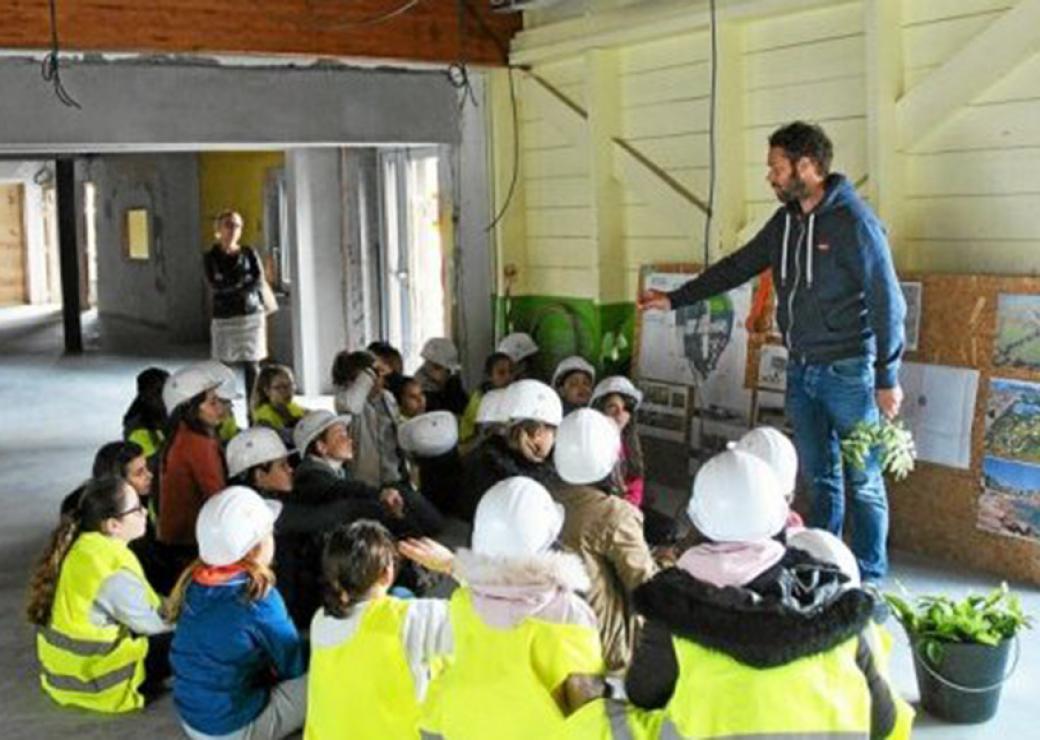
(227, 653)
(837, 292)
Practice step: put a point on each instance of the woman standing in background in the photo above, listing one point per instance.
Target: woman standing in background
(236, 277)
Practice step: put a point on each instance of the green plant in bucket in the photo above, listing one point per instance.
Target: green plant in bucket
(891, 438)
(984, 620)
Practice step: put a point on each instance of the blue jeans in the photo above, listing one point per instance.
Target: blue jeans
(824, 402)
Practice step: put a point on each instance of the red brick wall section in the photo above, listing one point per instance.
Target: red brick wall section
(427, 32)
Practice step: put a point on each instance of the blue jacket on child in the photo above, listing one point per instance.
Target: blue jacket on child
(227, 653)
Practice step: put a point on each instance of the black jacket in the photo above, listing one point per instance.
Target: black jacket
(493, 461)
(235, 280)
(767, 623)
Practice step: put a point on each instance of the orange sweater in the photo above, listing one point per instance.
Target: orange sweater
(194, 470)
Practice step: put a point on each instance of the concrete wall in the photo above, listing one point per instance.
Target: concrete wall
(36, 265)
(192, 104)
(316, 199)
(162, 299)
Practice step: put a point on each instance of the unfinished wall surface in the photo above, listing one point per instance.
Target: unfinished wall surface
(164, 294)
(28, 175)
(192, 104)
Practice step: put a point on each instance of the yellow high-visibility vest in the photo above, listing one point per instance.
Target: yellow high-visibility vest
(82, 664)
(266, 415)
(362, 688)
(819, 696)
(147, 439)
(500, 681)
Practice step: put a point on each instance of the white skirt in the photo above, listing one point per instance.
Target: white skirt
(240, 338)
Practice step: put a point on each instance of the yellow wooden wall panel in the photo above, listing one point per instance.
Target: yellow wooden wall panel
(982, 172)
(842, 19)
(646, 250)
(981, 256)
(981, 217)
(820, 101)
(684, 82)
(998, 126)
(1022, 83)
(549, 163)
(665, 119)
(563, 252)
(564, 221)
(824, 59)
(645, 221)
(538, 134)
(573, 282)
(924, 11)
(558, 191)
(670, 52)
(929, 45)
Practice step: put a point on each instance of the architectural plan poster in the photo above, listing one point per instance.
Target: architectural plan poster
(704, 345)
(938, 408)
(1018, 332)
(1010, 500)
(912, 295)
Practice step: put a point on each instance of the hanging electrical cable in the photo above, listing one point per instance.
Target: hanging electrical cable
(376, 19)
(714, 80)
(51, 69)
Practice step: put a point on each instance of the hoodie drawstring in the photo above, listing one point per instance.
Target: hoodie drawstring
(783, 253)
(809, 250)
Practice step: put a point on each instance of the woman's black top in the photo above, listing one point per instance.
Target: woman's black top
(235, 280)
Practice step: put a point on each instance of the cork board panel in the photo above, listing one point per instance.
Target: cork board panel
(934, 511)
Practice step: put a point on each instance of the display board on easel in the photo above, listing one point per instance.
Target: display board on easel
(694, 358)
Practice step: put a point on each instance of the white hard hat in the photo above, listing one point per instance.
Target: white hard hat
(737, 498)
(519, 346)
(231, 523)
(354, 397)
(515, 518)
(441, 351)
(254, 446)
(228, 388)
(616, 384)
(572, 364)
(492, 407)
(826, 548)
(533, 399)
(191, 380)
(313, 424)
(588, 445)
(429, 435)
(775, 448)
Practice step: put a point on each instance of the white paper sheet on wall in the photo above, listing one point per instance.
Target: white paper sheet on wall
(939, 407)
(707, 349)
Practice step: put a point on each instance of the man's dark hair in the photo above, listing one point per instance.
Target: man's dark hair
(800, 139)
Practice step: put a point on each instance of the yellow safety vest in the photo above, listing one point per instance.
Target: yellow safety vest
(228, 429)
(149, 440)
(268, 416)
(820, 696)
(82, 664)
(468, 423)
(499, 682)
(363, 688)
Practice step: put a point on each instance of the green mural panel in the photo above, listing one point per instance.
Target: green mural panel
(572, 326)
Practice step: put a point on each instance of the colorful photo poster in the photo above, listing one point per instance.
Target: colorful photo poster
(772, 368)
(1010, 500)
(939, 408)
(1013, 420)
(912, 294)
(703, 345)
(1018, 332)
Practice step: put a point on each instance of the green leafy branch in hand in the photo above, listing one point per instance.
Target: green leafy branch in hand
(891, 438)
(984, 620)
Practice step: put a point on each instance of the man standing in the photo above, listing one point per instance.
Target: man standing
(841, 311)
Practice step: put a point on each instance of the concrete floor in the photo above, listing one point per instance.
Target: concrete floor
(57, 410)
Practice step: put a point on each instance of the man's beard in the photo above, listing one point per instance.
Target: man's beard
(793, 192)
